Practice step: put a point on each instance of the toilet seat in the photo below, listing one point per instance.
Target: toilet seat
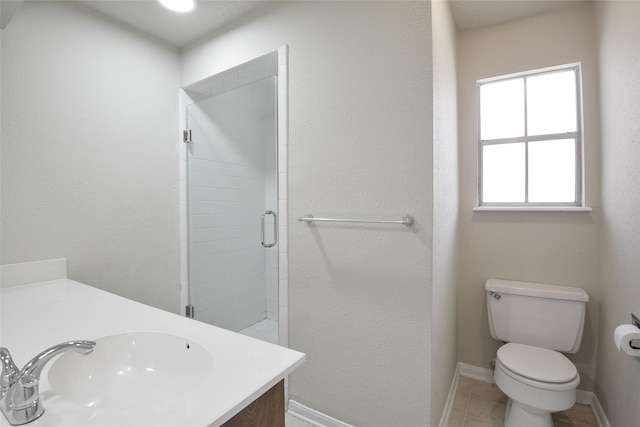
(537, 367)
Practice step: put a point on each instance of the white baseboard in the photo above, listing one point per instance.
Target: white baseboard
(589, 398)
(463, 370)
(446, 412)
(483, 374)
(598, 411)
(313, 417)
(476, 372)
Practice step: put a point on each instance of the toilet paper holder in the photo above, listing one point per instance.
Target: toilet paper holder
(635, 321)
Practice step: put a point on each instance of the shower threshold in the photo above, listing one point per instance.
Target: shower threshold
(265, 330)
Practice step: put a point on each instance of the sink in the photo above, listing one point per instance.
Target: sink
(131, 370)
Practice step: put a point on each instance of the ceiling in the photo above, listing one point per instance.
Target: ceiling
(469, 14)
(178, 29)
(213, 15)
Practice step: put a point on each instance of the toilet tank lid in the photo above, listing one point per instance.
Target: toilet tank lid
(540, 290)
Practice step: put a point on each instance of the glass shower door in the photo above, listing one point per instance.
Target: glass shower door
(232, 202)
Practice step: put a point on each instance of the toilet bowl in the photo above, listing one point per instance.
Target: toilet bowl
(537, 382)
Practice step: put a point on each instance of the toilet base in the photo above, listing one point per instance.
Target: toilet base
(519, 415)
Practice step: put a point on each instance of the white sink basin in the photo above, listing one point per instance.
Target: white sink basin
(130, 370)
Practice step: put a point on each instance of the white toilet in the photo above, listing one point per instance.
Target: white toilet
(536, 322)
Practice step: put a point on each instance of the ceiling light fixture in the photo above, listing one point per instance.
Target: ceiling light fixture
(181, 6)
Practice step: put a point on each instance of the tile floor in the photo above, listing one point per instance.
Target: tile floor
(482, 404)
(266, 330)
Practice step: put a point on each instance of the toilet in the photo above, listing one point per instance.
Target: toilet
(537, 323)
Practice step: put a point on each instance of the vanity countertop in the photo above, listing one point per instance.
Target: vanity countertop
(39, 315)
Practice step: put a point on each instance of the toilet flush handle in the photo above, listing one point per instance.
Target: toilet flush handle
(495, 295)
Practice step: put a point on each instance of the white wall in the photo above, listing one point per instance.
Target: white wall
(445, 207)
(618, 375)
(360, 138)
(547, 247)
(89, 151)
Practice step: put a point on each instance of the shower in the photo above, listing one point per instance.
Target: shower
(232, 206)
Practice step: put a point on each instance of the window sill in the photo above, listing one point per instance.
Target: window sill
(532, 209)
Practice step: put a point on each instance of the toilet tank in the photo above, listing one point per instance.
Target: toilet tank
(547, 316)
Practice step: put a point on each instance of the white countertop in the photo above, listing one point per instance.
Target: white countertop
(39, 315)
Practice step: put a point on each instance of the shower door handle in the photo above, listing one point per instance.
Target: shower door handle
(275, 229)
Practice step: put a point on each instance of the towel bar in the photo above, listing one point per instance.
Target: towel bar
(406, 220)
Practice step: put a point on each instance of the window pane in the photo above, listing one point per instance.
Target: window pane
(552, 171)
(502, 109)
(503, 173)
(551, 103)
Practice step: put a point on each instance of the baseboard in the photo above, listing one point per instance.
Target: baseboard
(483, 374)
(463, 370)
(476, 372)
(446, 412)
(589, 398)
(313, 417)
(598, 411)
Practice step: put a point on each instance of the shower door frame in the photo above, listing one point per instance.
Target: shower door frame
(282, 171)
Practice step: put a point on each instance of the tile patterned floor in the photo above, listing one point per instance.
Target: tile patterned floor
(482, 404)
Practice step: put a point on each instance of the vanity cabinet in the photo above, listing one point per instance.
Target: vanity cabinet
(265, 411)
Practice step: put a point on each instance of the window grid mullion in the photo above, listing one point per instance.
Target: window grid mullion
(579, 147)
(526, 145)
(533, 138)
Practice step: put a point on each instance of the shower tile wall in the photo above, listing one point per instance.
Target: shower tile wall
(227, 192)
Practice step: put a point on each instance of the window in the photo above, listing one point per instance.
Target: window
(530, 146)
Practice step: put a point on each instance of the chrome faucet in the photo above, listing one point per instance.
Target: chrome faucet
(19, 393)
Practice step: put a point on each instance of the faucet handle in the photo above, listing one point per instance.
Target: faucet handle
(26, 395)
(8, 370)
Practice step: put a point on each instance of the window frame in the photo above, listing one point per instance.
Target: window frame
(578, 203)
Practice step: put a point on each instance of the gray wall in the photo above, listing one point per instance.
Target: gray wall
(445, 208)
(360, 145)
(89, 151)
(618, 375)
(546, 247)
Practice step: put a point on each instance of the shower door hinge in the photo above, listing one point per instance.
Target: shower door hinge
(186, 136)
(189, 311)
